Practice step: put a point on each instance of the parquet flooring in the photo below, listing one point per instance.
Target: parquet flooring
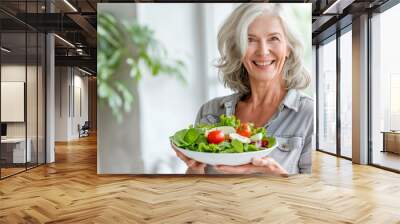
(70, 191)
(10, 171)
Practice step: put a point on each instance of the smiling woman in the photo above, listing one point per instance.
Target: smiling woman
(261, 60)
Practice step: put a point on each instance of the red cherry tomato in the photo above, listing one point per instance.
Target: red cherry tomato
(244, 130)
(216, 137)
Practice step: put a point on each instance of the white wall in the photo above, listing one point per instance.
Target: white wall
(79, 117)
(166, 105)
(61, 104)
(213, 16)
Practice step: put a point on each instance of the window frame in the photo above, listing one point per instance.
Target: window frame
(334, 37)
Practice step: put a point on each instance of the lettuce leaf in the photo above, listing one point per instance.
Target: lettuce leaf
(228, 121)
(178, 138)
(237, 145)
(271, 142)
(191, 136)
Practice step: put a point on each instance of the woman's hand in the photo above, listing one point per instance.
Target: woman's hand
(265, 165)
(194, 167)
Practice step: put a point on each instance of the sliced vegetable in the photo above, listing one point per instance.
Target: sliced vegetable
(244, 130)
(264, 143)
(256, 137)
(226, 129)
(216, 137)
(261, 130)
(238, 137)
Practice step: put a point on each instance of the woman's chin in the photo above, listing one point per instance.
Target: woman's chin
(262, 76)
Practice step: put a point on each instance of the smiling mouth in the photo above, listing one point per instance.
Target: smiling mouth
(263, 64)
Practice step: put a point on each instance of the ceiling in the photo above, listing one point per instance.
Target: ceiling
(75, 21)
(332, 15)
(76, 25)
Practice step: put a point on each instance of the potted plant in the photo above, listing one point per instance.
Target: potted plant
(135, 46)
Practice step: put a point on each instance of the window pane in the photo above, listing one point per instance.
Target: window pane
(386, 89)
(327, 97)
(15, 150)
(346, 94)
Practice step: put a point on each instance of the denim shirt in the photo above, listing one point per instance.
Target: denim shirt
(292, 125)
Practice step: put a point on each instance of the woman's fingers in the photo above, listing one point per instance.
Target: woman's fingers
(260, 162)
(265, 165)
(181, 156)
(258, 165)
(190, 162)
(244, 169)
(194, 164)
(198, 165)
(270, 165)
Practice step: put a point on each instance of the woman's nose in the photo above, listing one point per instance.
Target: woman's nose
(263, 48)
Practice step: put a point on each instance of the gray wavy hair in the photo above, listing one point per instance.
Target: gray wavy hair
(233, 41)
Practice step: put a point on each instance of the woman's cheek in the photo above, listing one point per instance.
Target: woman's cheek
(247, 63)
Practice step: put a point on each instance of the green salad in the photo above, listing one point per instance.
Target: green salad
(229, 135)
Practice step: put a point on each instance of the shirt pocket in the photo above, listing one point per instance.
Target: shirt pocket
(209, 119)
(288, 144)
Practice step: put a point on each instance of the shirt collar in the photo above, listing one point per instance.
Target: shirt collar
(234, 98)
(291, 100)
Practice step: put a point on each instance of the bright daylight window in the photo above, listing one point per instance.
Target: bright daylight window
(327, 97)
(385, 86)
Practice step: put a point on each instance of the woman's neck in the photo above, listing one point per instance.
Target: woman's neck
(266, 93)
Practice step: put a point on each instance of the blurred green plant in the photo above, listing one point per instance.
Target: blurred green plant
(134, 45)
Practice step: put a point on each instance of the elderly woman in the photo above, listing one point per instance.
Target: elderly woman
(261, 61)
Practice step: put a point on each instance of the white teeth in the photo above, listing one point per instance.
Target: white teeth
(263, 63)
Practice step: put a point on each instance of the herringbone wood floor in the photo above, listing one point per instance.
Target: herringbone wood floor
(70, 191)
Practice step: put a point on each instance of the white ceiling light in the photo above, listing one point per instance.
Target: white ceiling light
(5, 49)
(86, 72)
(65, 41)
(331, 7)
(337, 7)
(70, 5)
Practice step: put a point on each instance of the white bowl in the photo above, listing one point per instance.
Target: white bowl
(230, 159)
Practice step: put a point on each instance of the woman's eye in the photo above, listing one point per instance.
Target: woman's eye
(274, 38)
(251, 39)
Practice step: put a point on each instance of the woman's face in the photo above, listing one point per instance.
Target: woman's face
(267, 48)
